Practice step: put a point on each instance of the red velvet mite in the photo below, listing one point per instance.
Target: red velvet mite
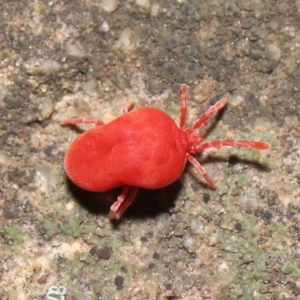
(143, 148)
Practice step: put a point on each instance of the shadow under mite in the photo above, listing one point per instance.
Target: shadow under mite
(147, 204)
(150, 203)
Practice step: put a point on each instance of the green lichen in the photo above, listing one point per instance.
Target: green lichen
(48, 228)
(15, 233)
(291, 269)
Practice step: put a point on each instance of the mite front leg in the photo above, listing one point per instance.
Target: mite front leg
(212, 111)
(128, 107)
(75, 121)
(183, 112)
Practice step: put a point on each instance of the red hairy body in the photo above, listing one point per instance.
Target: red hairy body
(128, 152)
(142, 148)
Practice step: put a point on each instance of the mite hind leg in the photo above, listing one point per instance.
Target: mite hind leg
(124, 200)
(201, 170)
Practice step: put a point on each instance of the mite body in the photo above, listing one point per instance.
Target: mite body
(126, 152)
(141, 148)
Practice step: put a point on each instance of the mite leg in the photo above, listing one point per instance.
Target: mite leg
(128, 107)
(201, 170)
(183, 112)
(213, 110)
(124, 200)
(232, 143)
(75, 121)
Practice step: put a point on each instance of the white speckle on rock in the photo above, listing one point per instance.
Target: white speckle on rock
(144, 4)
(155, 8)
(43, 177)
(203, 90)
(70, 206)
(40, 67)
(109, 6)
(198, 227)
(104, 27)
(263, 100)
(236, 100)
(124, 41)
(213, 239)
(49, 66)
(189, 243)
(75, 49)
(46, 108)
(70, 250)
(3, 93)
